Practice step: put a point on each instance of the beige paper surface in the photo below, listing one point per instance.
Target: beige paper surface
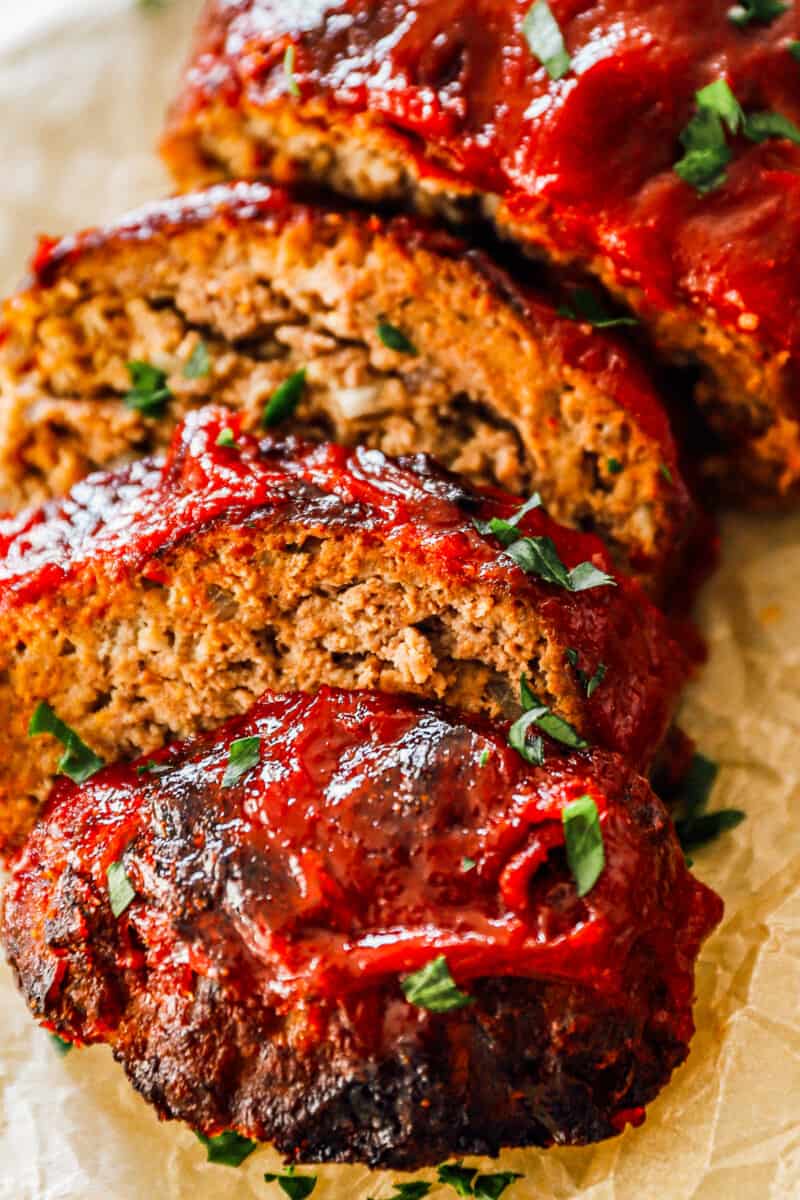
(82, 91)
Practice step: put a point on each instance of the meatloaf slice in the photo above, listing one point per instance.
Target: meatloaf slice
(409, 342)
(446, 104)
(249, 968)
(158, 601)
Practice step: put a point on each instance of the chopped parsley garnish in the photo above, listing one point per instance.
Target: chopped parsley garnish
(491, 1187)
(696, 826)
(506, 531)
(243, 755)
(296, 1187)
(468, 864)
(755, 10)
(284, 400)
(543, 35)
(149, 394)
(61, 1046)
(227, 438)
(585, 306)
(152, 768)
(539, 556)
(484, 758)
(394, 338)
(760, 126)
(614, 466)
(584, 841)
(538, 714)
(665, 471)
(228, 1149)
(458, 1177)
(78, 762)
(288, 70)
(434, 988)
(199, 364)
(794, 50)
(589, 683)
(120, 889)
(707, 151)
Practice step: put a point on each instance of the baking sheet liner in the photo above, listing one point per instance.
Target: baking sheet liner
(82, 92)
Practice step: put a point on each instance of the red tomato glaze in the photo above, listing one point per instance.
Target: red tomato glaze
(375, 834)
(590, 156)
(123, 525)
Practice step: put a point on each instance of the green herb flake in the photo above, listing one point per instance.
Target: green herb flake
(538, 556)
(414, 1190)
(764, 11)
(707, 152)
(78, 761)
(394, 339)
(543, 35)
(120, 888)
(434, 988)
(288, 70)
(243, 755)
(760, 126)
(665, 471)
(584, 842)
(227, 438)
(149, 394)
(507, 531)
(152, 768)
(492, 1187)
(199, 364)
(296, 1187)
(794, 50)
(61, 1046)
(284, 400)
(228, 1149)
(589, 683)
(587, 308)
(537, 714)
(484, 758)
(696, 827)
(468, 864)
(614, 466)
(458, 1177)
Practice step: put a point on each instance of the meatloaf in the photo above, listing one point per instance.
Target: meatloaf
(460, 106)
(160, 600)
(253, 936)
(386, 333)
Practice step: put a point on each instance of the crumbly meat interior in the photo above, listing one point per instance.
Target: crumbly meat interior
(132, 664)
(481, 395)
(741, 392)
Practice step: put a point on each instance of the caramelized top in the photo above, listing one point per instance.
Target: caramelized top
(374, 834)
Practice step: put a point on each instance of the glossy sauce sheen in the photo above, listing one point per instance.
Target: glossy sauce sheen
(337, 865)
(125, 525)
(590, 155)
(602, 356)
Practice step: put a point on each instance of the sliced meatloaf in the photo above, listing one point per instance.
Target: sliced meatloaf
(408, 341)
(365, 939)
(158, 601)
(447, 104)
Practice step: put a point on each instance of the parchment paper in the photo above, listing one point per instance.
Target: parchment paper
(82, 93)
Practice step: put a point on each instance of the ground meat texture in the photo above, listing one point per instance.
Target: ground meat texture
(495, 385)
(445, 106)
(163, 599)
(254, 981)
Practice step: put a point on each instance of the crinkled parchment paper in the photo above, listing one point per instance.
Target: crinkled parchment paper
(82, 91)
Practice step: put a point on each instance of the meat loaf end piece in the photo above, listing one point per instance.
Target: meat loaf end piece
(161, 600)
(254, 979)
(447, 105)
(409, 342)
